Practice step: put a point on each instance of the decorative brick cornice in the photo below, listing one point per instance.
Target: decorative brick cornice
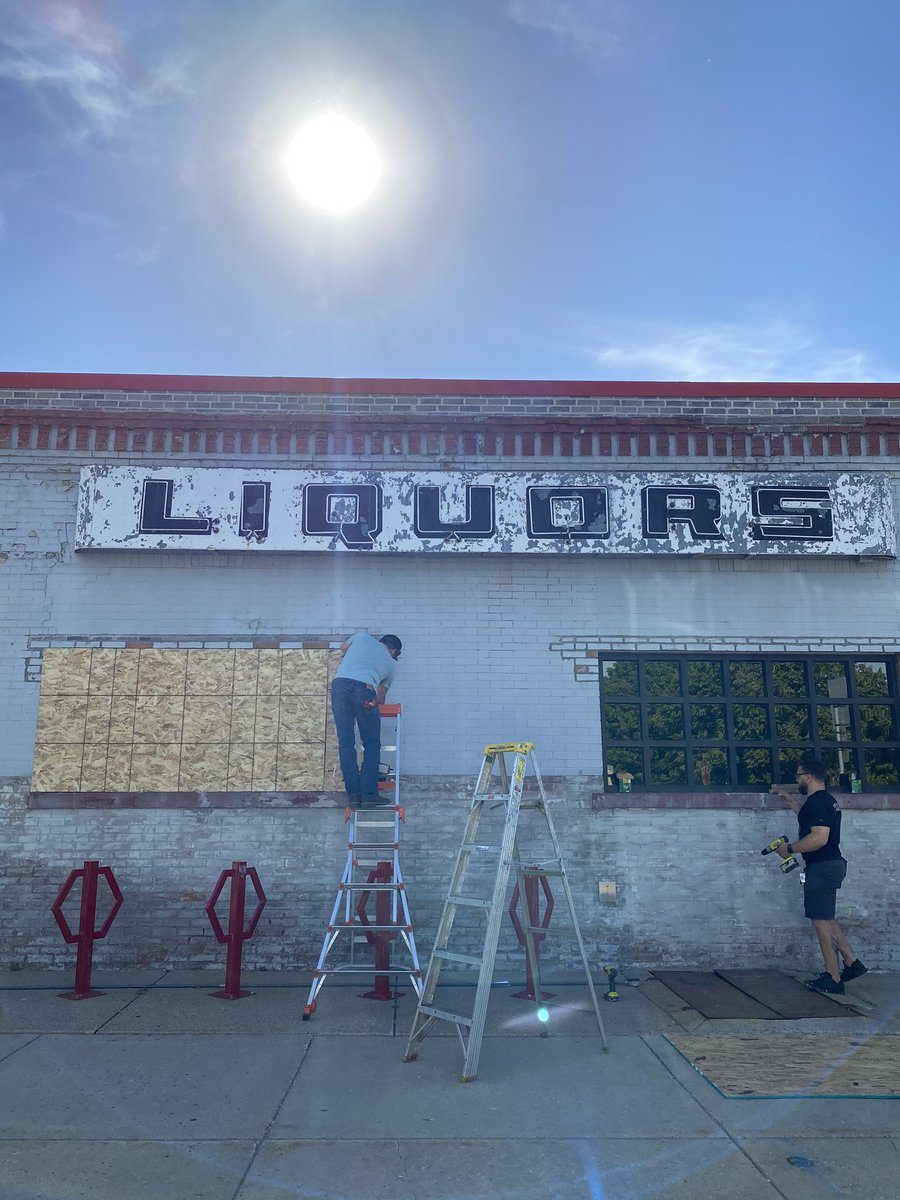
(84, 383)
(783, 406)
(401, 436)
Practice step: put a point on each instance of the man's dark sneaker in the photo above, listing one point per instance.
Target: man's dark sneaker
(825, 983)
(377, 802)
(354, 802)
(854, 971)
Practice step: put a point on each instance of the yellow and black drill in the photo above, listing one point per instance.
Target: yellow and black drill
(787, 864)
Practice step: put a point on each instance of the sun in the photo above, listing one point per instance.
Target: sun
(333, 163)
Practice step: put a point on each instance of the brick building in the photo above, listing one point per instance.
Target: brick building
(669, 587)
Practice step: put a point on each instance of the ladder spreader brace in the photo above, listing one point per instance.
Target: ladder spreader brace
(509, 858)
(372, 867)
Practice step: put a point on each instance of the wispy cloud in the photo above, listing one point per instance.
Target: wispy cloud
(63, 51)
(142, 256)
(765, 350)
(593, 29)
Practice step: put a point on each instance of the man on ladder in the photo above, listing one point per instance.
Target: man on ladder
(360, 684)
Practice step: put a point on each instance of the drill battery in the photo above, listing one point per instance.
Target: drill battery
(787, 864)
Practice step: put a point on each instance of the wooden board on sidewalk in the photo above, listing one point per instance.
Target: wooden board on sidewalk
(798, 1065)
(714, 997)
(787, 997)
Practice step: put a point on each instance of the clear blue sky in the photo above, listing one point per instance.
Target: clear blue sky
(573, 189)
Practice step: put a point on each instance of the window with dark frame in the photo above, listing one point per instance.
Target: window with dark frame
(740, 722)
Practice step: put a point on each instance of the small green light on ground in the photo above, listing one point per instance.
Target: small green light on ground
(543, 1014)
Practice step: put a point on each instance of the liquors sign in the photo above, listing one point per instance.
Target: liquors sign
(461, 512)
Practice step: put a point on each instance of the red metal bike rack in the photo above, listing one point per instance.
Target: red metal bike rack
(533, 877)
(236, 935)
(86, 935)
(381, 939)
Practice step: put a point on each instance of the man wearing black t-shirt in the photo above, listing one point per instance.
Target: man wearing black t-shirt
(819, 820)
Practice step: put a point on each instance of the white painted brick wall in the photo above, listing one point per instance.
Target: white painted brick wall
(477, 667)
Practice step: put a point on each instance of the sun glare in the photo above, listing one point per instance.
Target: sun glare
(333, 163)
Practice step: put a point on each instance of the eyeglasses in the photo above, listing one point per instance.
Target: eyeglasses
(800, 774)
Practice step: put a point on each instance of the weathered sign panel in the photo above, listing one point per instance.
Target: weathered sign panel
(529, 512)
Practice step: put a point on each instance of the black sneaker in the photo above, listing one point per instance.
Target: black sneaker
(825, 983)
(354, 802)
(854, 971)
(376, 802)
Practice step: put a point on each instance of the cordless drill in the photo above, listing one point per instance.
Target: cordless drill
(787, 864)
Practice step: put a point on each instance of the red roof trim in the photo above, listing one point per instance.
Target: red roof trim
(276, 385)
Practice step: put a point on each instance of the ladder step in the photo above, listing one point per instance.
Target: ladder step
(445, 1014)
(469, 902)
(374, 845)
(370, 887)
(472, 960)
(536, 871)
(359, 927)
(352, 970)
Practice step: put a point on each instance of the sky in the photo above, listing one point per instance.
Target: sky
(570, 189)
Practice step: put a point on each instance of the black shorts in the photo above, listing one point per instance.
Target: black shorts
(821, 887)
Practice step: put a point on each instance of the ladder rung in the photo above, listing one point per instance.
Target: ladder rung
(537, 871)
(351, 970)
(445, 1014)
(374, 845)
(374, 824)
(472, 960)
(361, 927)
(489, 797)
(370, 887)
(468, 902)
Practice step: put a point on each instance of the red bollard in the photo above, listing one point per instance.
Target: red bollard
(86, 935)
(532, 914)
(236, 935)
(380, 938)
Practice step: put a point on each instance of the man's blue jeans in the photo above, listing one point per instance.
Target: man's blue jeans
(348, 707)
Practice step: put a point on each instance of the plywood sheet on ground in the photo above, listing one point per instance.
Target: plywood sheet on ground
(788, 997)
(713, 997)
(793, 1064)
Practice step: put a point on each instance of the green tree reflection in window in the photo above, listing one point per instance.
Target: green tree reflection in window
(662, 678)
(622, 722)
(871, 679)
(704, 678)
(789, 678)
(665, 722)
(744, 722)
(620, 678)
(747, 678)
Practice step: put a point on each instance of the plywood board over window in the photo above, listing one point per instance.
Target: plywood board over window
(185, 721)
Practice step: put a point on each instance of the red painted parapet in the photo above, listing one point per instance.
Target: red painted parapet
(532, 916)
(86, 934)
(236, 935)
(380, 937)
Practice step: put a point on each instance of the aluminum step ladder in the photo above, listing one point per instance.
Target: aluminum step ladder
(470, 1027)
(372, 867)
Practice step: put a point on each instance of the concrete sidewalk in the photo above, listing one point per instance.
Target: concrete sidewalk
(155, 1091)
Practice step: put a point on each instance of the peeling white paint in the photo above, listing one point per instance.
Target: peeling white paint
(606, 513)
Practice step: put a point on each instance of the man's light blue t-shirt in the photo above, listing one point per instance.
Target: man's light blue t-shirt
(367, 660)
